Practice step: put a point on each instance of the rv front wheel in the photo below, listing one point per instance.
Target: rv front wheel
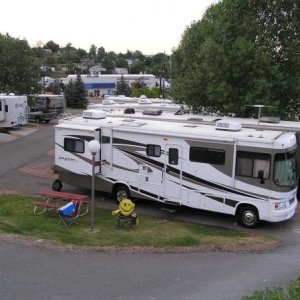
(248, 216)
(121, 192)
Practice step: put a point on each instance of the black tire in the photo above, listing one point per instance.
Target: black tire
(38, 120)
(121, 192)
(248, 216)
(57, 185)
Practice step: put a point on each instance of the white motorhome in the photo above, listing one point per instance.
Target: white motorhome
(224, 168)
(13, 110)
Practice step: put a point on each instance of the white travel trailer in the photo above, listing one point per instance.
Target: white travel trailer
(224, 168)
(14, 110)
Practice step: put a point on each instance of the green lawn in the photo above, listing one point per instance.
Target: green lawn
(291, 292)
(16, 217)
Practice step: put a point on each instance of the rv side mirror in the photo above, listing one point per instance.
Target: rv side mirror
(261, 176)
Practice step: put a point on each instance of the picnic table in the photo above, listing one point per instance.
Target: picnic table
(54, 200)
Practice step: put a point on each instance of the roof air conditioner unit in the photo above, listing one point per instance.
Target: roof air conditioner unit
(228, 125)
(94, 114)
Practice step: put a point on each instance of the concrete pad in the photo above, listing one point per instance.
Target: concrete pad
(5, 137)
(22, 131)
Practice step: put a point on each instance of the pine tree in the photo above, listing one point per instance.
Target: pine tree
(75, 93)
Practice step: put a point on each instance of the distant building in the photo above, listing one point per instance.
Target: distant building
(98, 85)
(121, 71)
(96, 69)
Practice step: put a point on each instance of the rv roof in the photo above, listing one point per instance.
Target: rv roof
(170, 129)
(265, 122)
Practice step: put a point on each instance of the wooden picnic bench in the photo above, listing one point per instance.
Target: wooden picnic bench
(51, 202)
(45, 206)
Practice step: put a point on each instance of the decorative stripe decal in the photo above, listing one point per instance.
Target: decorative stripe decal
(186, 175)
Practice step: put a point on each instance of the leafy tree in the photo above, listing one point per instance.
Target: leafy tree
(82, 53)
(123, 88)
(56, 87)
(70, 54)
(236, 55)
(19, 71)
(137, 67)
(128, 54)
(137, 54)
(75, 93)
(100, 54)
(149, 93)
(52, 46)
(279, 23)
(121, 63)
(108, 64)
(93, 52)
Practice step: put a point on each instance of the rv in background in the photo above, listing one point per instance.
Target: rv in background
(13, 110)
(244, 172)
(45, 107)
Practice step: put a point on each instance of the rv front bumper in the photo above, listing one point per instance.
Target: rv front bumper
(283, 211)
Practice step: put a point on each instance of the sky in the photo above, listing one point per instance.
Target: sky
(117, 25)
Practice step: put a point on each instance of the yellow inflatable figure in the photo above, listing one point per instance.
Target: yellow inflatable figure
(126, 211)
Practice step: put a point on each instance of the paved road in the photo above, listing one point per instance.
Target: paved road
(31, 272)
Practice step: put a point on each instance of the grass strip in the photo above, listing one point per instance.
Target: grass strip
(16, 217)
(290, 292)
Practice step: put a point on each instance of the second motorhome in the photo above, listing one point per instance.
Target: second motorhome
(45, 107)
(224, 168)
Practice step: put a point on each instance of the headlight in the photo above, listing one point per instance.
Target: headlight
(279, 206)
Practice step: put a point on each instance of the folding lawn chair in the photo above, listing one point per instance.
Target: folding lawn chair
(69, 213)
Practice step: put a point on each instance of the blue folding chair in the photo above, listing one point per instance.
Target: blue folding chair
(69, 213)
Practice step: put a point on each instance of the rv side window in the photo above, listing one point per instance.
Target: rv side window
(74, 145)
(105, 140)
(6, 108)
(173, 156)
(153, 150)
(249, 164)
(207, 156)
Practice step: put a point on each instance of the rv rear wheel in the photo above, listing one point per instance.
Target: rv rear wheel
(121, 192)
(248, 216)
(57, 185)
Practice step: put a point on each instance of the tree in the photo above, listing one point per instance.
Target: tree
(100, 54)
(137, 67)
(230, 58)
(123, 88)
(52, 46)
(55, 87)
(108, 64)
(93, 52)
(19, 71)
(121, 63)
(149, 93)
(75, 93)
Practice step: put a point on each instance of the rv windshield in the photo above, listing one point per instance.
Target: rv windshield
(285, 169)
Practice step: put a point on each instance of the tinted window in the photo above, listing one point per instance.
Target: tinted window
(153, 150)
(207, 156)
(74, 145)
(173, 156)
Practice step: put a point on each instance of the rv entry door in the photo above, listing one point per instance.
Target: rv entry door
(173, 172)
